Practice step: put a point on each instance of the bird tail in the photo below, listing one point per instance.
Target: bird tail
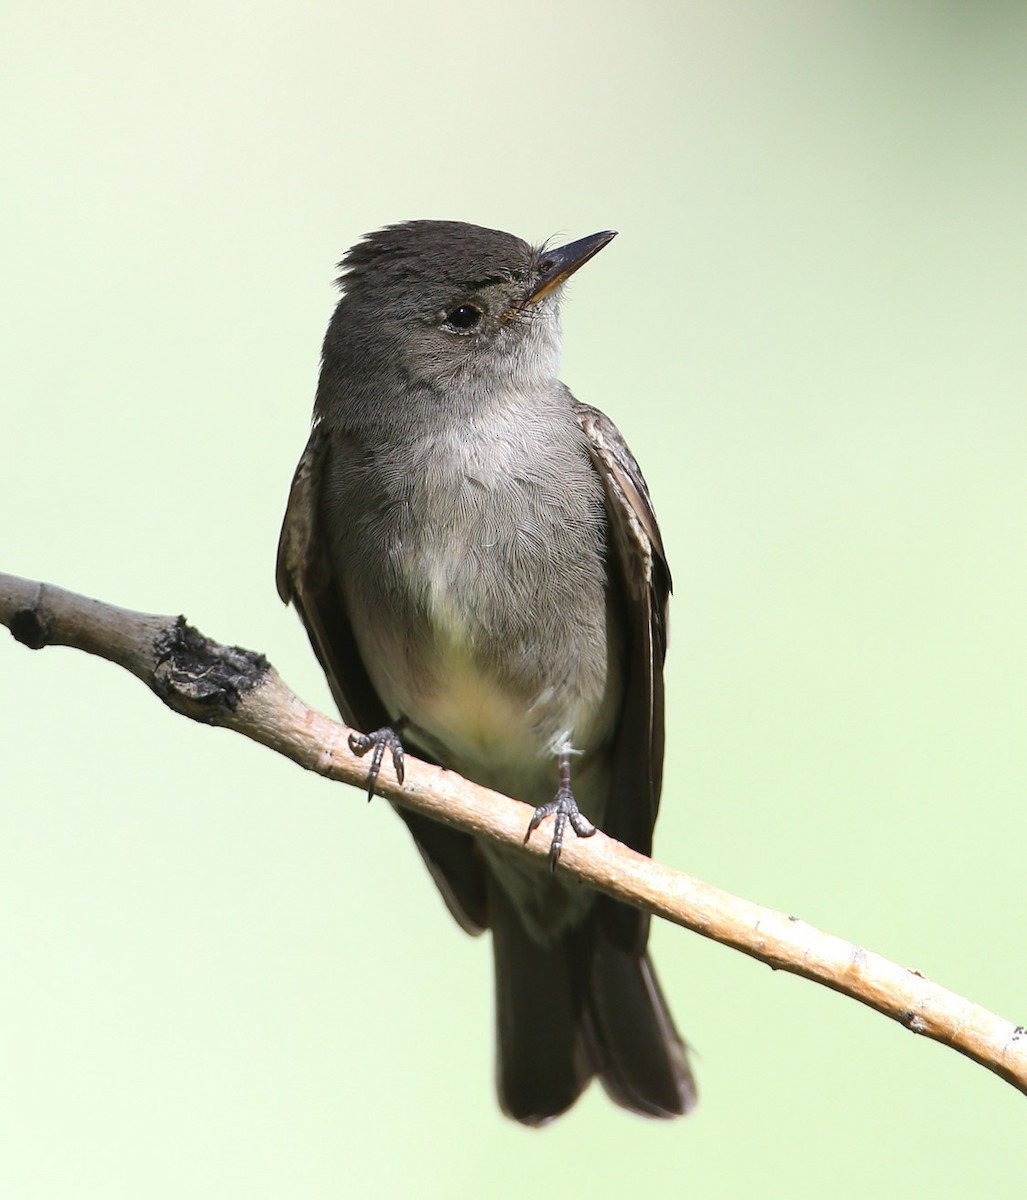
(581, 1007)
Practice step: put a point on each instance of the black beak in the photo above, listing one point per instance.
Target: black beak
(556, 266)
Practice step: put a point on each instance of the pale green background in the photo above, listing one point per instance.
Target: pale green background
(223, 978)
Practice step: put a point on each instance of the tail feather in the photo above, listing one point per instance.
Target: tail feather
(580, 1007)
(638, 1055)
(543, 1060)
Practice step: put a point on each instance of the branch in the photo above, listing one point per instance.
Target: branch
(238, 689)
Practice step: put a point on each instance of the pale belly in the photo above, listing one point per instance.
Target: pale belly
(471, 724)
(486, 628)
(499, 727)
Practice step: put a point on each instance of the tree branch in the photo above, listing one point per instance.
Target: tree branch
(238, 689)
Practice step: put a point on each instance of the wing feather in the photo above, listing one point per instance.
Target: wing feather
(641, 579)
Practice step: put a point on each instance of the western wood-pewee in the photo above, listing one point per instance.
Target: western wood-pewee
(476, 560)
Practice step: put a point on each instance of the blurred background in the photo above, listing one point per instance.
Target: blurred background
(222, 977)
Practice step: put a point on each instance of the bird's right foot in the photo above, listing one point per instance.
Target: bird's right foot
(381, 740)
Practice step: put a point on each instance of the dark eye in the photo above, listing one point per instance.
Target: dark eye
(466, 316)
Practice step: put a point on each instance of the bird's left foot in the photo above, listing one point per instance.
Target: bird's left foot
(565, 808)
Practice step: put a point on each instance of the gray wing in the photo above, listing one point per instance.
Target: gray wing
(639, 571)
(306, 579)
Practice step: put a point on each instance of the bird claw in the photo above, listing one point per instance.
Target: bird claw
(382, 739)
(565, 808)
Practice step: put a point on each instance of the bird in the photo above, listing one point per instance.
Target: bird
(476, 560)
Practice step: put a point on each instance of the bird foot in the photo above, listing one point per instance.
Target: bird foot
(565, 808)
(382, 739)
